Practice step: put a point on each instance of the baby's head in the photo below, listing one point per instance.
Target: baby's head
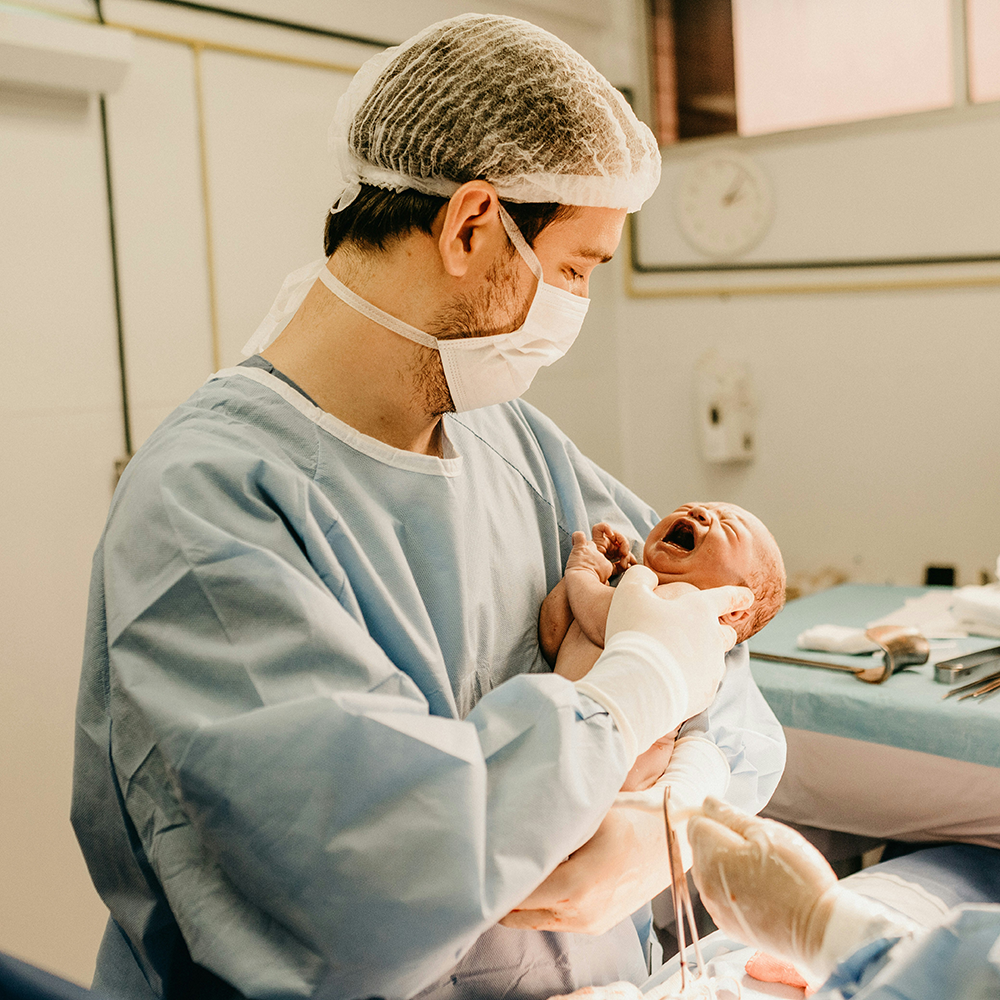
(716, 544)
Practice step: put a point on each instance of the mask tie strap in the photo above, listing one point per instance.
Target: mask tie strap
(372, 312)
(293, 293)
(520, 243)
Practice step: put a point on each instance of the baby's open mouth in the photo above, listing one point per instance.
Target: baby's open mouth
(681, 534)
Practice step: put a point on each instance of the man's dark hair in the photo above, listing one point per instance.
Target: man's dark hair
(379, 216)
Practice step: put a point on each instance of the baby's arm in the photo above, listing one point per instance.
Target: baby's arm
(582, 593)
(554, 621)
(587, 590)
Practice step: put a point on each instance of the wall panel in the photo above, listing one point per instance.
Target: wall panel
(271, 180)
(161, 232)
(60, 432)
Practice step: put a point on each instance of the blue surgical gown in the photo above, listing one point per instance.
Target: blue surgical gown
(318, 750)
(958, 960)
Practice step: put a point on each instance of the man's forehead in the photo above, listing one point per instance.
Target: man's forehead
(588, 233)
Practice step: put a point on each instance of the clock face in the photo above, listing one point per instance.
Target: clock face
(724, 204)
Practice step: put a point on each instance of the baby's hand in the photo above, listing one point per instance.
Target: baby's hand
(613, 545)
(587, 557)
(649, 766)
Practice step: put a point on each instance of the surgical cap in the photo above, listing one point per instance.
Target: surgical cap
(482, 96)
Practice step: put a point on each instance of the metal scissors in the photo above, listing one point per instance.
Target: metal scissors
(682, 898)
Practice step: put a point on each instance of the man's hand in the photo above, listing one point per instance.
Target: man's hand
(614, 546)
(615, 991)
(686, 621)
(623, 866)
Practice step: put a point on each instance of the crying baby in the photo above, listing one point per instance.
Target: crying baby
(700, 544)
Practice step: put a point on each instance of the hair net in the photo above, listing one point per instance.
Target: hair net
(494, 98)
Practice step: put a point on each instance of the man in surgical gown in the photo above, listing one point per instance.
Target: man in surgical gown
(318, 751)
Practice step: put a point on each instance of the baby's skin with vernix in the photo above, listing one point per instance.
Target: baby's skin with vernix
(700, 545)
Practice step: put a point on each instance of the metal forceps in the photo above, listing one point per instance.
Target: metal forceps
(981, 688)
(682, 898)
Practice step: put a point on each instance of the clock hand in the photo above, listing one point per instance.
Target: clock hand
(734, 192)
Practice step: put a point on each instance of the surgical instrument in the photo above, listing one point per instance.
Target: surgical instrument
(682, 897)
(985, 691)
(967, 666)
(978, 683)
(902, 646)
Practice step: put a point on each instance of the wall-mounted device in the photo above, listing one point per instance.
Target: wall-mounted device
(40, 50)
(725, 410)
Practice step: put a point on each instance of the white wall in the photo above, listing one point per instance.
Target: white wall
(60, 431)
(877, 432)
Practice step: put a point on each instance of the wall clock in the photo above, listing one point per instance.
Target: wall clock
(724, 203)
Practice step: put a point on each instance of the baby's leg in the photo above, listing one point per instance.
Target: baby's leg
(577, 654)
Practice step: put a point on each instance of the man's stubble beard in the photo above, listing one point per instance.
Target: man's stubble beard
(471, 315)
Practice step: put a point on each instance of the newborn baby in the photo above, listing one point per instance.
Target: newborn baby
(700, 544)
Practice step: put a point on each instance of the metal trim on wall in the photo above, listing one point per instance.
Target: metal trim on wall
(197, 46)
(274, 22)
(882, 284)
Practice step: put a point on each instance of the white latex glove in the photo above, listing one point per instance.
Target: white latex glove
(766, 885)
(697, 768)
(763, 883)
(664, 655)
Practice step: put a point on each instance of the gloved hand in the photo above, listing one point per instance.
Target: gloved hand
(664, 654)
(686, 620)
(762, 882)
(766, 885)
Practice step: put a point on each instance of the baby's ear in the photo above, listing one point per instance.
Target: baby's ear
(736, 618)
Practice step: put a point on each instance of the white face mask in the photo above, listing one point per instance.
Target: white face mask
(486, 370)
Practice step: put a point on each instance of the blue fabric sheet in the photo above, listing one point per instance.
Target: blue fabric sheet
(954, 873)
(957, 960)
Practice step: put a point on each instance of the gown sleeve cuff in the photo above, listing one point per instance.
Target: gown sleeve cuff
(855, 921)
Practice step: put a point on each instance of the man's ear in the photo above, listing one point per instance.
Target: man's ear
(470, 222)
